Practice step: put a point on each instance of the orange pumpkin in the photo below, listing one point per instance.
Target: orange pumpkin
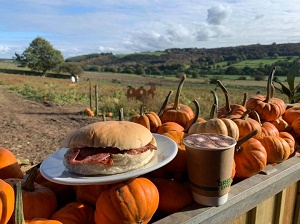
(281, 125)
(9, 167)
(268, 107)
(43, 221)
(173, 195)
(176, 112)
(88, 194)
(169, 126)
(246, 125)
(289, 139)
(7, 201)
(150, 120)
(229, 110)
(267, 128)
(132, 201)
(178, 166)
(64, 193)
(89, 112)
(296, 126)
(38, 201)
(291, 114)
(277, 148)
(250, 156)
(75, 213)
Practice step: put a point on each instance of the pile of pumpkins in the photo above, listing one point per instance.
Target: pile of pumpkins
(266, 131)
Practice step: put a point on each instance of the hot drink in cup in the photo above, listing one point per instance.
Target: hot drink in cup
(210, 160)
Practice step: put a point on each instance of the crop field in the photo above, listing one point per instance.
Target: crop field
(112, 89)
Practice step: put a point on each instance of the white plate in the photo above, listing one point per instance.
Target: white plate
(52, 167)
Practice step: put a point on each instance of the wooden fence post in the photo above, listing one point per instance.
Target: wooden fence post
(96, 100)
(91, 106)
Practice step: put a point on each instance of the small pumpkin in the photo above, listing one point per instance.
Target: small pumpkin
(230, 110)
(246, 125)
(267, 128)
(173, 195)
(169, 126)
(9, 167)
(19, 214)
(291, 114)
(281, 125)
(222, 126)
(75, 213)
(277, 148)
(91, 197)
(132, 201)
(89, 112)
(150, 120)
(178, 166)
(7, 201)
(296, 126)
(64, 193)
(290, 140)
(250, 156)
(43, 221)
(268, 107)
(176, 112)
(38, 201)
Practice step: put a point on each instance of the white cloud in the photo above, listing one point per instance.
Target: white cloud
(218, 15)
(82, 27)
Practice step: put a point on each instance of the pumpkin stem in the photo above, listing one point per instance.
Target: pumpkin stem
(19, 214)
(197, 113)
(245, 114)
(256, 117)
(244, 99)
(270, 86)
(214, 107)
(142, 109)
(160, 112)
(121, 114)
(227, 105)
(28, 184)
(176, 102)
(244, 139)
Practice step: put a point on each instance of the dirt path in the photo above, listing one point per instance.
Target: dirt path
(33, 130)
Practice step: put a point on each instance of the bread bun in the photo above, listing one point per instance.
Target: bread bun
(117, 134)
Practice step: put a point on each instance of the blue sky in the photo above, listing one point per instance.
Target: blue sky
(77, 27)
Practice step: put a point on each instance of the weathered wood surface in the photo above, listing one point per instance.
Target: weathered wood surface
(251, 193)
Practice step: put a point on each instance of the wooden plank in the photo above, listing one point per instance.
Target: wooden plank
(297, 207)
(288, 206)
(264, 212)
(243, 196)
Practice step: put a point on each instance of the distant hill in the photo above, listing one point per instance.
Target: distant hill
(189, 60)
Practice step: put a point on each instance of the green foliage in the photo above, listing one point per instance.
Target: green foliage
(40, 56)
(72, 68)
(292, 91)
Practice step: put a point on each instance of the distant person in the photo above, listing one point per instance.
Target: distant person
(73, 80)
(76, 78)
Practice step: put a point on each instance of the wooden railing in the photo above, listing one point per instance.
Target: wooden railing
(269, 197)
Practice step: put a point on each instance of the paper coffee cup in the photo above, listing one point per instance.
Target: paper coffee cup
(210, 159)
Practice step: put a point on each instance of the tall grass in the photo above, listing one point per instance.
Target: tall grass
(112, 95)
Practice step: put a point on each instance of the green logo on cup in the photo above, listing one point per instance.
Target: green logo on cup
(224, 183)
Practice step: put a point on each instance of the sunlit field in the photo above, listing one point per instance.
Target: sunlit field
(112, 90)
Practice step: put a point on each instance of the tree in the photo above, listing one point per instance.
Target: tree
(72, 68)
(40, 56)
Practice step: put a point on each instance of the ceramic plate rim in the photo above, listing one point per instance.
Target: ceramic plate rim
(52, 167)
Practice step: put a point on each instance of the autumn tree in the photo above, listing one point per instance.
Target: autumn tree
(40, 56)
